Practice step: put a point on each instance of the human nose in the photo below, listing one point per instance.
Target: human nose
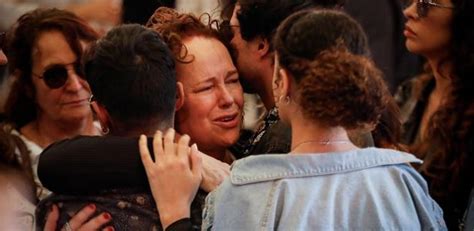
(226, 99)
(74, 82)
(410, 11)
(3, 58)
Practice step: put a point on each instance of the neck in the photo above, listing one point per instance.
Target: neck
(139, 130)
(310, 137)
(442, 74)
(265, 90)
(44, 131)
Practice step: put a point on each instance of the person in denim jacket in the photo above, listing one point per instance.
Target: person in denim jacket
(326, 182)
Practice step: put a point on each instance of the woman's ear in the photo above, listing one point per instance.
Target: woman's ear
(285, 82)
(102, 115)
(179, 96)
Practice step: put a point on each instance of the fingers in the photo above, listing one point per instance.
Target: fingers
(82, 216)
(196, 161)
(52, 219)
(183, 146)
(169, 142)
(158, 145)
(96, 222)
(144, 152)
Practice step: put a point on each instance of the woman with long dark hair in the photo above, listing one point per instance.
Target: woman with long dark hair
(438, 105)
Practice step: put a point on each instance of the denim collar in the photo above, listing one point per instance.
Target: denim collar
(261, 168)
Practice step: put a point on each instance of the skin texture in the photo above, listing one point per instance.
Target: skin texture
(69, 102)
(3, 58)
(429, 36)
(62, 112)
(213, 97)
(81, 220)
(176, 173)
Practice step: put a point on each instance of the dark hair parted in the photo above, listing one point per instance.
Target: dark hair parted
(262, 17)
(20, 106)
(131, 72)
(323, 50)
(176, 27)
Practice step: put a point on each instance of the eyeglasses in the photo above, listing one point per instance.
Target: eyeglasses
(56, 76)
(423, 6)
(3, 36)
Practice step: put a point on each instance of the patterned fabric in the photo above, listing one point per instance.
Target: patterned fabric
(130, 210)
(412, 98)
(272, 136)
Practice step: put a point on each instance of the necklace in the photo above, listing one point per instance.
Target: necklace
(325, 142)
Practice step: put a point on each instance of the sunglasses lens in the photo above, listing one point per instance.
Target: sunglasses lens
(55, 77)
(79, 71)
(422, 8)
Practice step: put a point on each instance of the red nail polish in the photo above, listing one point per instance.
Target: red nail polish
(107, 216)
(110, 228)
(91, 206)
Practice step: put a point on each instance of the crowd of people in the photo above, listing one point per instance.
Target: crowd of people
(141, 127)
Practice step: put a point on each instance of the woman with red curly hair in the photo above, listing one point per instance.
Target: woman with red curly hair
(326, 182)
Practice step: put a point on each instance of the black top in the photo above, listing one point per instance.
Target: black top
(90, 164)
(108, 172)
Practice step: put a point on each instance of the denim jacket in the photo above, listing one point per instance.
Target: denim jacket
(364, 189)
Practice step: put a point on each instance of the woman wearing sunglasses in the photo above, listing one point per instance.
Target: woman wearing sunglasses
(49, 98)
(438, 105)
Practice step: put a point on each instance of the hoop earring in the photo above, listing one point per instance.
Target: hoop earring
(287, 99)
(105, 131)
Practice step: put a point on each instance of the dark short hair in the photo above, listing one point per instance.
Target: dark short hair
(131, 72)
(325, 53)
(20, 106)
(262, 17)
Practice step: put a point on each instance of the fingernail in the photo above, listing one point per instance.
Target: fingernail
(91, 206)
(52, 208)
(107, 216)
(110, 228)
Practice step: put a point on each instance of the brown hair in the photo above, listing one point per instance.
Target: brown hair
(176, 27)
(20, 107)
(325, 53)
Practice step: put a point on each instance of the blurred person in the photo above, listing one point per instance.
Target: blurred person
(100, 14)
(49, 97)
(438, 105)
(17, 185)
(325, 182)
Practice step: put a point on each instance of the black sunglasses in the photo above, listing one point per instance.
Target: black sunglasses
(423, 6)
(56, 76)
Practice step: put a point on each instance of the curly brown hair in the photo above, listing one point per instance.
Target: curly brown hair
(175, 28)
(325, 51)
(339, 88)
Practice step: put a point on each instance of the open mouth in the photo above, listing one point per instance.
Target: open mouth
(228, 121)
